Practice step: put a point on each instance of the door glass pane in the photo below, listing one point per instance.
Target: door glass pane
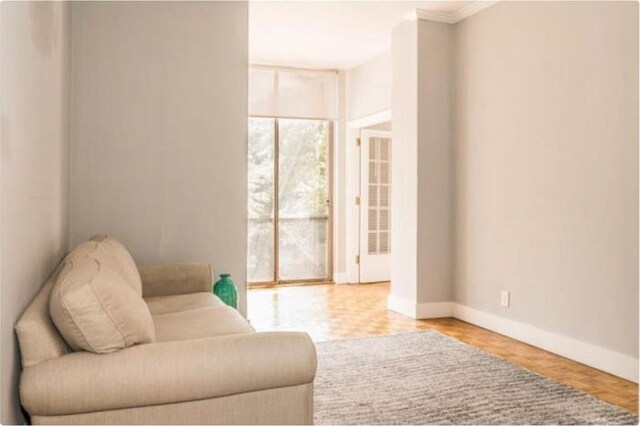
(303, 194)
(260, 250)
(379, 181)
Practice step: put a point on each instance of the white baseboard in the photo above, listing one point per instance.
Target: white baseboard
(340, 278)
(419, 310)
(607, 360)
(434, 310)
(402, 306)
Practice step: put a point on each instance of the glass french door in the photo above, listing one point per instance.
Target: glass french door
(289, 201)
(375, 209)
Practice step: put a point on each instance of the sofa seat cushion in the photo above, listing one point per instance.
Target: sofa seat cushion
(95, 310)
(209, 321)
(181, 302)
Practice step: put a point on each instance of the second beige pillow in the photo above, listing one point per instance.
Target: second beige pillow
(96, 310)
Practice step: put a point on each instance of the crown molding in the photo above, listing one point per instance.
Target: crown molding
(452, 18)
(432, 15)
(473, 8)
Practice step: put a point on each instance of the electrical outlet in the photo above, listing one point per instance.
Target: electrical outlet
(504, 298)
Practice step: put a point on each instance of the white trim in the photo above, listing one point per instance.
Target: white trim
(607, 360)
(612, 362)
(432, 15)
(435, 310)
(352, 228)
(472, 9)
(340, 278)
(453, 18)
(419, 310)
(371, 120)
(274, 67)
(402, 306)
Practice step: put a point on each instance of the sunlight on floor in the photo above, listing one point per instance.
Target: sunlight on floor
(327, 312)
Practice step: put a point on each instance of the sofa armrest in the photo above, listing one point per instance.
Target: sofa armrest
(176, 278)
(168, 372)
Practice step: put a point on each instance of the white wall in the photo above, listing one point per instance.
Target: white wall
(34, 165)
(435, 165)
(547, 167)
(422, 199)
(369, 87)
(404, 170)
(159, 107)
(526, 179)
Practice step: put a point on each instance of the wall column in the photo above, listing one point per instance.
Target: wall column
(422, 71)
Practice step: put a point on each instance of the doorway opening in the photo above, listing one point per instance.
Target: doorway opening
(289, 201)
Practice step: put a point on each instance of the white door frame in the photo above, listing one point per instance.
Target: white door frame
(353, 189)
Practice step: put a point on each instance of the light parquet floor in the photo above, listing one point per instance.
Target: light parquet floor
(331, 312)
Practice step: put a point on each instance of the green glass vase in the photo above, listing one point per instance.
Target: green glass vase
(226, 290)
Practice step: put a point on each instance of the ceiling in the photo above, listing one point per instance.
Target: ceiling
(329, 34)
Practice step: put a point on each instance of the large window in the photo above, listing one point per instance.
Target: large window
(289, 200)
(261, 248)
(290, 134)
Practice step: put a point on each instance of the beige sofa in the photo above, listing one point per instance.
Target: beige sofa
(206, 365)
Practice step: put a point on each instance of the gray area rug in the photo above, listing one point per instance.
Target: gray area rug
(429, 378)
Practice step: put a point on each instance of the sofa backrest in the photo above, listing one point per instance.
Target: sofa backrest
(37, 335)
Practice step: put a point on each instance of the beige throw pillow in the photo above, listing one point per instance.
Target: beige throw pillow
(113, 254)
(96, 310)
